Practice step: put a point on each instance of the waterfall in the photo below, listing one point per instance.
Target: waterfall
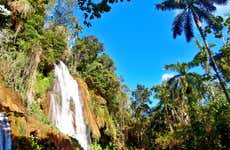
(5, 138)
(65, 110)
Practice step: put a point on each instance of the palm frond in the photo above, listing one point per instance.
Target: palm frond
(188, 30)
(197, 59)
(177, 26)
(200, 56)
(215, 23)
(170, 5)
(171, 67)
(200, 46)
(202, 14)
(194, 75)
(206, 5)
(220, 2)
(182, 68)
(21, 7)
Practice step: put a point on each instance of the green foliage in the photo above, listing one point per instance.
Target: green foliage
(95, 146)
(140, 116)
(54, 45)
(95, 9)
(42, 83)
(35, 110)
(61, 13)
(34, 143)
(85, 52)
(219, 27)
(98, 71)
(192, 112)
(12, 63)
(103, 81)
(225, 63)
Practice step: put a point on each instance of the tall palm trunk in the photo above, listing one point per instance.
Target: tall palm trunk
(213, 62)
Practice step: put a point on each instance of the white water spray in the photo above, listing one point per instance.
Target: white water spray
(65, 107)
(5, 138)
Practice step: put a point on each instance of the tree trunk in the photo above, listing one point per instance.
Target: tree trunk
(168, 121)
(213, 62)
(33, 65)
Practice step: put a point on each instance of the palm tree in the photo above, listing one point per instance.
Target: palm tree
(197, 11)
(178, 93)
(183, 86)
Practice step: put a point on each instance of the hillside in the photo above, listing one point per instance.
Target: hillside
(60, 91)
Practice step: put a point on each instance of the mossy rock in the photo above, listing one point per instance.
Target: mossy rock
(18, 126)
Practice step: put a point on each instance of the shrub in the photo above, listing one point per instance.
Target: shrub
(42, 83)
(38, 112)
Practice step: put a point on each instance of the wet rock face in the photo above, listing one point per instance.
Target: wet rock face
(5, 137)
(87, 100)
(27, 130)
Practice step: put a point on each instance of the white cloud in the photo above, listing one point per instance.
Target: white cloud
(166, 76)
(177, 11)
(223, 9)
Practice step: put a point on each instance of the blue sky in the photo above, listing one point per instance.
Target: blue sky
(139, 39)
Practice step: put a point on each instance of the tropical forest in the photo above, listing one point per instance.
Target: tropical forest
(114, 74)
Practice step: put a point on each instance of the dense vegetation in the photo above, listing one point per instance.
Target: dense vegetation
(193, 110)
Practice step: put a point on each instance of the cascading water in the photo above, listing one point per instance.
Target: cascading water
(65, 107)
(5, 138)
